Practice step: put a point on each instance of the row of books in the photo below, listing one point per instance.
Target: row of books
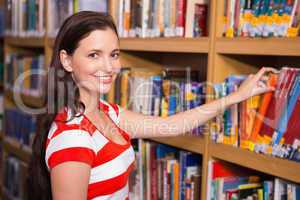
(25, 74)
(157, 18)
(19, 125)
(59, 10)
(1, 60)
(164, 172)
(262, 18)
(267, 123)
(1, 110)
(2, 19)
(25, 18)
(1, 158)
(14, 181)
(161, 93)
(229, 182)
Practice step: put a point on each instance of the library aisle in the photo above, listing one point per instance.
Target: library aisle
(176, 55)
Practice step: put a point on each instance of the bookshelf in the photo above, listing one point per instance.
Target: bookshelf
(173, 44)
(32, 101)
(190, 143)
(259, 46)
(14, 147)
(264, 163)
(223, 56)
(179, 45)
(28, 42)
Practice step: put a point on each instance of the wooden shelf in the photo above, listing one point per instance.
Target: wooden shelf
(30, 42)
(5, 195)
(282, 168)
(27, 100)
(173, 44)
(50, 41)
(184, 45)
(189, 143)
(12, 146)
(259, 46)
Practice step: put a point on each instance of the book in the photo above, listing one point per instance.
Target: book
(267, 123)
(228, 181)
(165, 172)
(161, 18)
(261, 18)
(25, 18)
(266, 98)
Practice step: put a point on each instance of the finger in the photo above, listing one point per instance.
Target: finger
(250, 76)
(271, 69)
(261, 84)
(260, 91)
(264, 70)
(264, 78)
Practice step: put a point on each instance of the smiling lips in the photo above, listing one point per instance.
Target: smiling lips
(106, 79)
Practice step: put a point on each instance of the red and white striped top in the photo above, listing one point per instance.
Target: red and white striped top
(79, 140)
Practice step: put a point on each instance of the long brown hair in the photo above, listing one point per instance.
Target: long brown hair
(61, 92)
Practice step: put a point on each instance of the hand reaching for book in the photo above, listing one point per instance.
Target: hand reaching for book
(255, 84)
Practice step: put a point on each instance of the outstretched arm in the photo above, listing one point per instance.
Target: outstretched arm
(143, 126)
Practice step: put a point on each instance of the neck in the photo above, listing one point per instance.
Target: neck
(90, 100)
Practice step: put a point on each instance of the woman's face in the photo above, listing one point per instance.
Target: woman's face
(95, 63)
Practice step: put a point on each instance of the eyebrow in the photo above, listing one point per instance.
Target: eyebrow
(100, 51)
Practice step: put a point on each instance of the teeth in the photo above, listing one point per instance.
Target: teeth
(104, 77)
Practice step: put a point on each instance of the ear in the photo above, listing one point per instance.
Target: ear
(65, 60)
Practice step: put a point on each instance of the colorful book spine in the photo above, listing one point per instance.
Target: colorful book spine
(265, 124)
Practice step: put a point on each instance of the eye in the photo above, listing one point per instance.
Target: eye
(115, 55)
(93, 55)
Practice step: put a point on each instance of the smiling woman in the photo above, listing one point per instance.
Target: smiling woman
(82, 148)
(72, 144)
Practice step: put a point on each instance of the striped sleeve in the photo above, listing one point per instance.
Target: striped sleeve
(70, 145)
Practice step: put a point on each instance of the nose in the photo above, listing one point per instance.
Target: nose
(108, 65)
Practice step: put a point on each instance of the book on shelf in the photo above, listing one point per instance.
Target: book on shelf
(1, 63)
(161, 18)
(19, 126)
(267, 123)
(25, 18)
(261, 18)
(164, 172)
(230, 182)
(1, 158)
(14, 178)
(1, 111)
(26, 68)
(59, 10)
(2, 21)
(158, 93)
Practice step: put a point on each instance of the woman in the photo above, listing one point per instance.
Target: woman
(82, 149)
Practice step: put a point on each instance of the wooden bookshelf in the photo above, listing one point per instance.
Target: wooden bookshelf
(172, 44)
(179, 45)
(282, 168)
(189, 143)
(12, 146)
(224, 56)
(28, 100)
(5, 195)
(259, 46)
(30, 42)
